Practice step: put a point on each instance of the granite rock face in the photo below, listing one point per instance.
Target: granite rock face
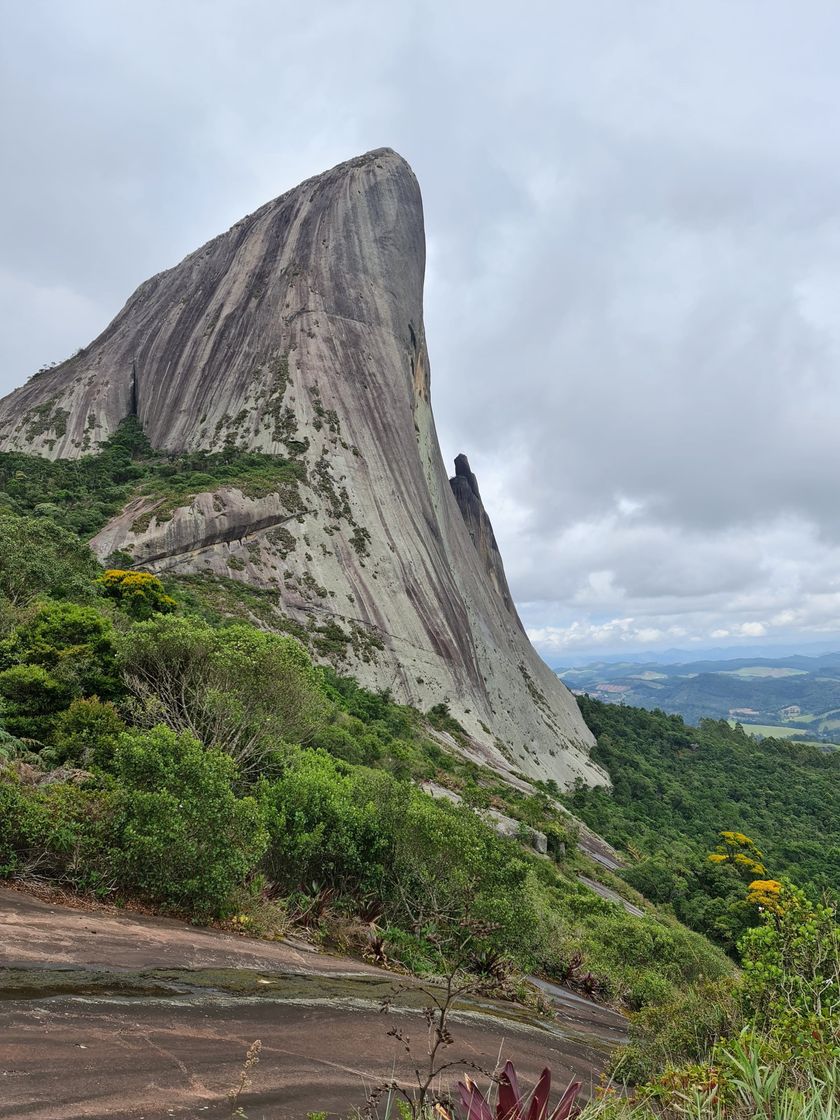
(299, 333)
(465, 488)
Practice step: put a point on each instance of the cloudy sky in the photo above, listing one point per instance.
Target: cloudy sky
(633, 217)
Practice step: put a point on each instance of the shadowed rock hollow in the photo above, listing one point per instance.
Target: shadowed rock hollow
(299, 333)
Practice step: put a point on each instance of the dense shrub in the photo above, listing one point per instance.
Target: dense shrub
(707, 897)
(86, 734)
(431, 866)
(446, 866)
(60, 832)
(182, 837)
(167, 826)
(792, 976)
(635, 961)
(59, 651)
(20, 823)
(32, 699)
(39, 558)
(139, 594)
(242, 690)
(323, 830)
(351, 740)
(74, 643)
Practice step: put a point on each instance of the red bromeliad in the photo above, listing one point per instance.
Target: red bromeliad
(512, 1106)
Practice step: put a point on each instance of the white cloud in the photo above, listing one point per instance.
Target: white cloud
(752, 629)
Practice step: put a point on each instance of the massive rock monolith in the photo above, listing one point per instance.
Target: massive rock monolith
(299, 333)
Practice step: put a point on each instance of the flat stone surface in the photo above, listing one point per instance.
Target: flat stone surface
(170, 1041)
(34, 933)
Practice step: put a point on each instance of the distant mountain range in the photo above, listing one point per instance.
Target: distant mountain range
(755, 650)
(794, 697)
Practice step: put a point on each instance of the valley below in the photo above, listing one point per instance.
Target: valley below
(796, 697)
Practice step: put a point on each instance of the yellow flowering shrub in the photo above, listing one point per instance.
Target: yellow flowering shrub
(741, 852)
(140, 594)
(748, 864)
(766, 893)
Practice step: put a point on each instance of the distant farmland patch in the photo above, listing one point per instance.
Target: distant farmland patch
(774, 731)
(769, 730)
(764, 671)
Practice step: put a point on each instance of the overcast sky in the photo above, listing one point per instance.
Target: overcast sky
(633, 218)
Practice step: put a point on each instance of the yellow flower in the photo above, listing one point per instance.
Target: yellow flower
(766, 893)
(750, 864)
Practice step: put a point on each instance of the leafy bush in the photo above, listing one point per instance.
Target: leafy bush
(167, 827)
(792, 977)
(242, 690)
(679, 1030)
(593, 944)
(61, 650)
(60, 831)
(324, 832)
(74, 643)
(770, 1031)
(39, 558)
(446, 868)
(86, 734)
(20, 822)
(182, 837)
(32, 698)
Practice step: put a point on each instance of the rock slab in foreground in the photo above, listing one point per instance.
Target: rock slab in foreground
(117, 1055)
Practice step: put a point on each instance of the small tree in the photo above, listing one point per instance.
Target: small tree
(740, 852)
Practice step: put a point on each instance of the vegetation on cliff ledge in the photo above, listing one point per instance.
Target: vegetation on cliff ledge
(81, 495)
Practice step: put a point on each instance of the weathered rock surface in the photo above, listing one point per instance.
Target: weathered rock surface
(465, 488)
(120, 1016)
(299, 332)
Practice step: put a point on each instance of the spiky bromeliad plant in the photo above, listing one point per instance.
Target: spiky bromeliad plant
(510, 1103)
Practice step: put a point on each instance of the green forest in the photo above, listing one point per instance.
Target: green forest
(675, 788)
